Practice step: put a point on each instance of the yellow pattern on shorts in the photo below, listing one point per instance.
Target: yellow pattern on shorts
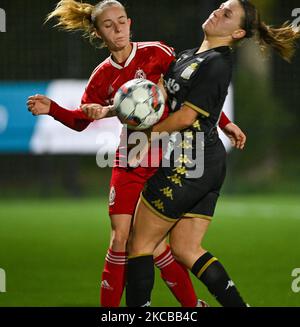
(158, 204)
(185, 145)
(176, 179)
(197, 125)
(189, 135)
(183, 159)
(168, 192)
(180, 170)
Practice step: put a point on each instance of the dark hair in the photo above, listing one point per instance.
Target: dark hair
(73, 15)
(281, 39)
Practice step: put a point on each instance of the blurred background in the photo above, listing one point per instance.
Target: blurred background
(53, 196)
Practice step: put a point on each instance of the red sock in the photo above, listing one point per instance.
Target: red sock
(113, 279)
(177, 277)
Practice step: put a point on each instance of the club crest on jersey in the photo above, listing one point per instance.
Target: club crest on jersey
(112, 196)
(187, 73)
(140, 74)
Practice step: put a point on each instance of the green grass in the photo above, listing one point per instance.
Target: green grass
(53, 251)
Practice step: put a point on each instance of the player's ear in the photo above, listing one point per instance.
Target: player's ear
(238, 34)
(129, 21)
(97, 34)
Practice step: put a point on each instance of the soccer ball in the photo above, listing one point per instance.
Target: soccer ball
(139, 104)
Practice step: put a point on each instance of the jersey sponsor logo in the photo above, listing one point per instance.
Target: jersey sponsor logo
(112, 196)
(172, 86)
(140, 74)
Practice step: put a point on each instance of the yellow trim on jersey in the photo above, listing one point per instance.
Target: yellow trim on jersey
(160, 215)
(139, 256)
(194, 215)
(208, 263)
(201, 111)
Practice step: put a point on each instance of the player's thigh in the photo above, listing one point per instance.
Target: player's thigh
(125, 188)
(186, 240)
(148, 231)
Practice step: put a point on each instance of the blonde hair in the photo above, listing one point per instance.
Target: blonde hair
(281, 39)
(73, 15)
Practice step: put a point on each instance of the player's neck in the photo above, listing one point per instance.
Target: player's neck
(122, 55)
(210, 43)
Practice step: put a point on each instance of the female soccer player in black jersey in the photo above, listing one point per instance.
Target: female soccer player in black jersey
(175, 199)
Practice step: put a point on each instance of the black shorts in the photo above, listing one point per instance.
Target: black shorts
(172, 195)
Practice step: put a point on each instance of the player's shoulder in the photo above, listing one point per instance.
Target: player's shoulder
(220, 55)
(155, 46)
(99, 73)
(101, 67)
(100, 70)
(218, 62)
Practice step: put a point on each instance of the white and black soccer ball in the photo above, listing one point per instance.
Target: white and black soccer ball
(139, 104)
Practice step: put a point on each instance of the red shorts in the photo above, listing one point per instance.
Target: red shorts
(125, 188)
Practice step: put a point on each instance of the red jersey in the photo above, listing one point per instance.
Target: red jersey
(147, 60)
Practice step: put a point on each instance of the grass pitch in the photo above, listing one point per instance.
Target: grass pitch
(53, 251)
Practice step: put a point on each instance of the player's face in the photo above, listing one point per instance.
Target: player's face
(226, 21)
(114, 28)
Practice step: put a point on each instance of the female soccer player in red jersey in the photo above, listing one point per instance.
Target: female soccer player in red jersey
(108, 21)
(186, 209)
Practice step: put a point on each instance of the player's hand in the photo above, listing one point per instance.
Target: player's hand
(235, 134)
(95, 111)
(38, 104)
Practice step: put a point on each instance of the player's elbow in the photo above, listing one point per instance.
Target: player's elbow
(186, 121)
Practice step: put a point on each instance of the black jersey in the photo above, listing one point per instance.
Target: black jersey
(201, 81)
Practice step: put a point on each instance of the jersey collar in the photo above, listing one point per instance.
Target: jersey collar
(129, 59)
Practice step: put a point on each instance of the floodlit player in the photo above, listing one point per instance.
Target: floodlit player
(108, 22)
(190, 202)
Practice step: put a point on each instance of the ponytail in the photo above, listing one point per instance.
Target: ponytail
(74, 16)
(281, 39)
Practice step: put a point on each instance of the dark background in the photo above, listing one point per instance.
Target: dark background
(266, 95)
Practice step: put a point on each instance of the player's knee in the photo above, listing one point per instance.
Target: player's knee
(179, 252)
(183, 252)
(119, 240)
